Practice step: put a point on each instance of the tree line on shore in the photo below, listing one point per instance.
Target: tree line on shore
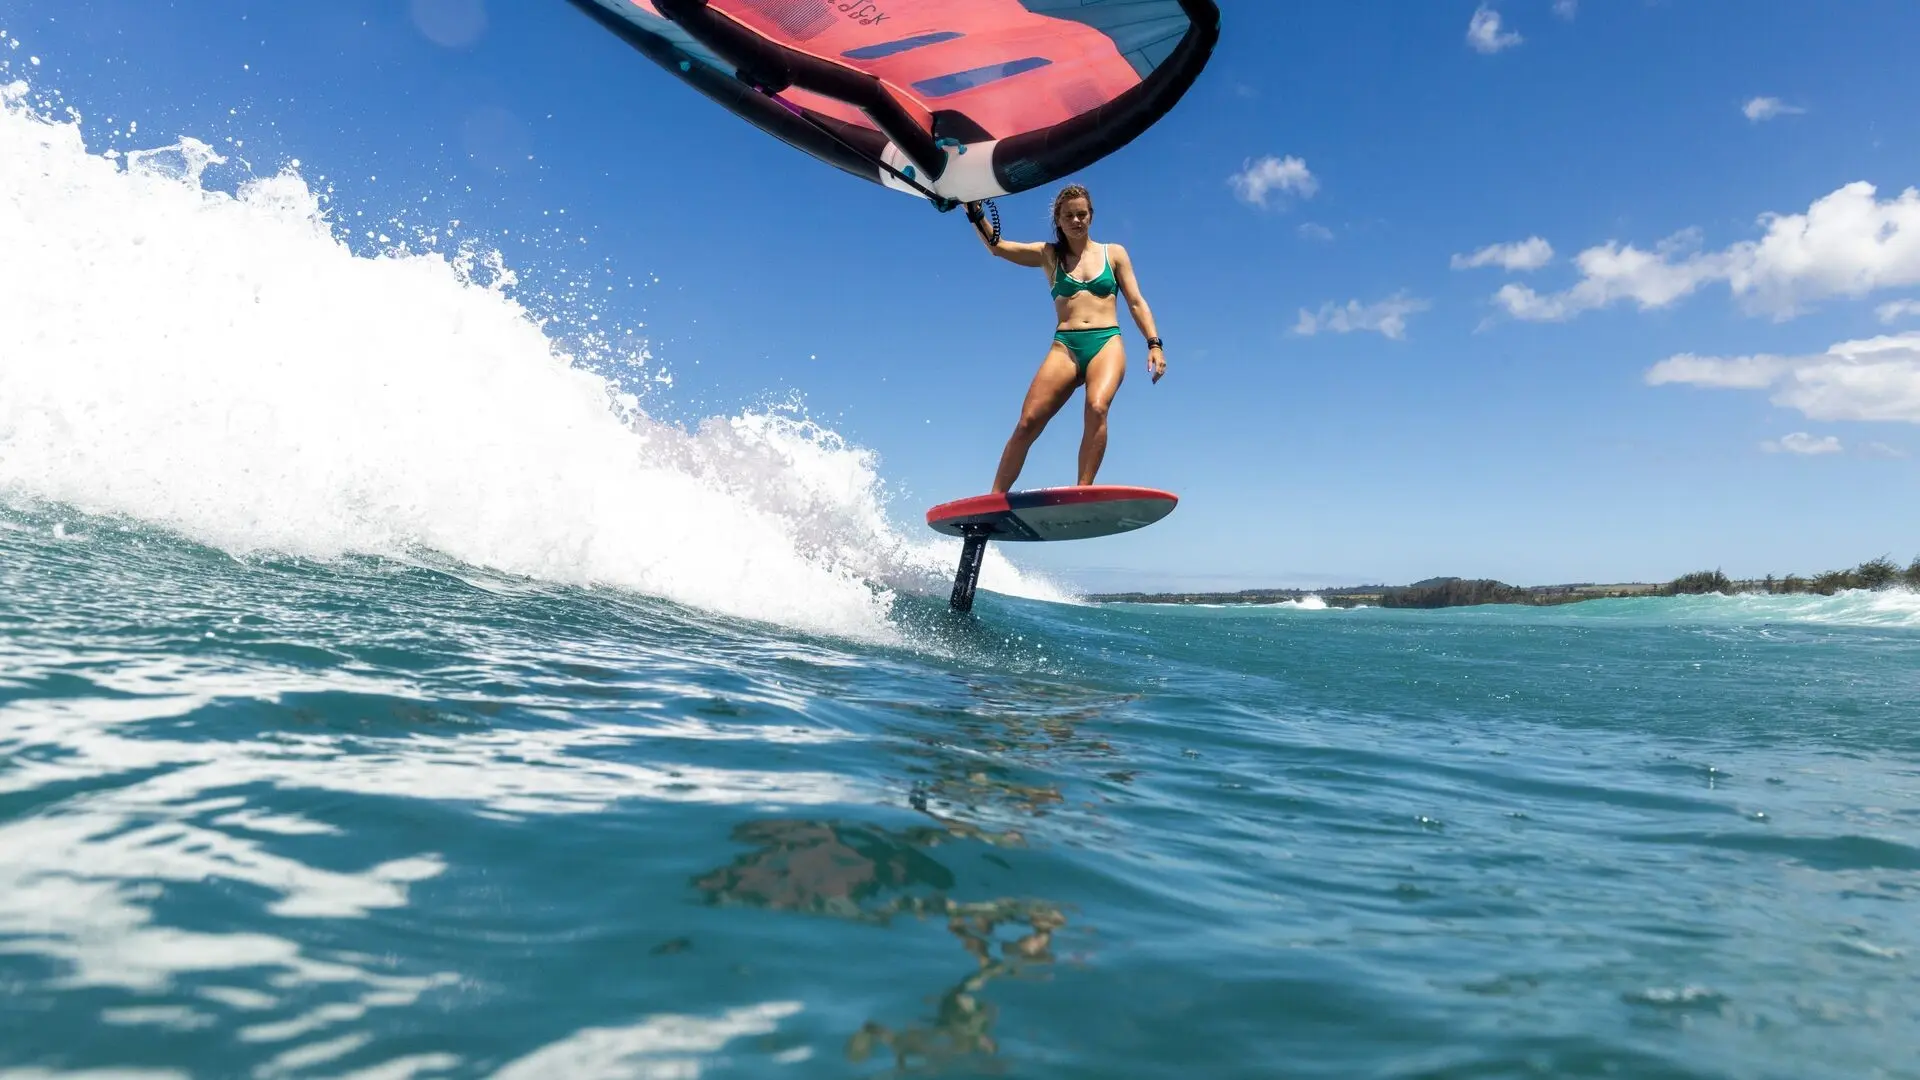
(1880, 573)
(1466, 592)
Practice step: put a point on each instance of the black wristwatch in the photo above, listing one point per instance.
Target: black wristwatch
(1154, 343)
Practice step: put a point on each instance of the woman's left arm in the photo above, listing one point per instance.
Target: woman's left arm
(1137, 305)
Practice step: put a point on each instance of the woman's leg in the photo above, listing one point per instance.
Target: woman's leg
(1052, 385)
(1104, 374)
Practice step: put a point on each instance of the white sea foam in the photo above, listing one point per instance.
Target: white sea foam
(1855, 607)
(224, 364)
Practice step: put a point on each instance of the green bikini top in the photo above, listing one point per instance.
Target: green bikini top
(1065, 284)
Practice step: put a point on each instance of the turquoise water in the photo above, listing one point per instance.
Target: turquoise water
(272, 816)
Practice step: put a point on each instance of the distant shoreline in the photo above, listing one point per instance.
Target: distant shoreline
(1466, 592)
(1880, 573)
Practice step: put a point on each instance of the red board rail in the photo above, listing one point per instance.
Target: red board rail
(1062, 513)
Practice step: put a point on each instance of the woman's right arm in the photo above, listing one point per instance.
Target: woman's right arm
(1014, 251)
(1021, 254)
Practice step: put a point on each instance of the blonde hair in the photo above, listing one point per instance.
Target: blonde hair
(1067, 194)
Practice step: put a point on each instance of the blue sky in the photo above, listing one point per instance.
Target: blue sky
(1350, 397)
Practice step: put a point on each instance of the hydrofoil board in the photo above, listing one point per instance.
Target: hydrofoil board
(1064, 513)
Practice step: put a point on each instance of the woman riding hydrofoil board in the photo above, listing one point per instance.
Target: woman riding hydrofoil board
(1086, 281)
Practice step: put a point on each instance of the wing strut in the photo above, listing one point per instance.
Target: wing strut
(770, 69)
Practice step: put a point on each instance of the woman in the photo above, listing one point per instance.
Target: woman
(1087, 348)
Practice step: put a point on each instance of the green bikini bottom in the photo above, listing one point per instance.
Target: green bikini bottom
(1084, 345)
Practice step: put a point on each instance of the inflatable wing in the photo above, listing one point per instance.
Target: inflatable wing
(951, 100)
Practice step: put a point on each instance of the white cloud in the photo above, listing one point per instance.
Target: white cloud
(1895, 310)
(1288, 175)
(1848, 243)
(1737, 373)
(1881, 450)
(1388, 317)
(1870, 379)
(1311, 231)
(1566, 9)
(1521, 255)
(1485, 35)
(1766, 108)
(1802, 443)
(1611, 273)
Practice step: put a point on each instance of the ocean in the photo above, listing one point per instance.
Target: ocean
(394, 697)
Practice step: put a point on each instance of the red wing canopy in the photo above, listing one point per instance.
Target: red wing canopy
(948, 99)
